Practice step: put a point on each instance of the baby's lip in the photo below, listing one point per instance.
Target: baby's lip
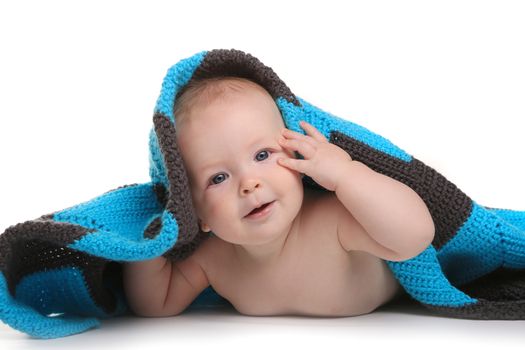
(257, 206)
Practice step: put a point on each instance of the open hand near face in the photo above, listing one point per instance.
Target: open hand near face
(323, 161)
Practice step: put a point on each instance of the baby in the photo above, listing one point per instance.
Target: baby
(278, 248)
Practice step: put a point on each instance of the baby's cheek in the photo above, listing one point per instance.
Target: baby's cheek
(217, 205)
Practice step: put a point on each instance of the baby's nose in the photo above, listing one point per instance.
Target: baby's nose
(249, 186)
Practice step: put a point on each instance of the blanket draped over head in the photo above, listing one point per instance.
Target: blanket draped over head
(62, 272)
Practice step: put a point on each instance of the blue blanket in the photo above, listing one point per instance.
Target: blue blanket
(62, 273)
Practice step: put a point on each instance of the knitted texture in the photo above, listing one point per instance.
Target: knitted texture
(62, 272)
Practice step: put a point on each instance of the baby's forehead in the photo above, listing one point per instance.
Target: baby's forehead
(231, 116)
(240, 139)
(203, 141)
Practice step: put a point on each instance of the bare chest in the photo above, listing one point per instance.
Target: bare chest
(319, 279)
(309, 285)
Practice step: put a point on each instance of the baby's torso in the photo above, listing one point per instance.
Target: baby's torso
(315, 276)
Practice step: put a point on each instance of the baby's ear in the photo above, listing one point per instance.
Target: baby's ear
(204, 227)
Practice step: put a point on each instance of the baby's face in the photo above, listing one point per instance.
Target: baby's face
(230, 150)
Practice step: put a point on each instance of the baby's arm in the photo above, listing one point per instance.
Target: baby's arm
(159, 287)
(394, 222)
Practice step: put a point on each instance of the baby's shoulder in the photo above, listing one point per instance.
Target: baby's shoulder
(211, 253)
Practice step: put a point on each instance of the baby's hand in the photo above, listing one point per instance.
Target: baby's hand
(323, 161)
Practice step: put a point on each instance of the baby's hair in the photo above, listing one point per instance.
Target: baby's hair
(205, 91)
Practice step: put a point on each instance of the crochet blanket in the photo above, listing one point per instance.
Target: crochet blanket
(62, 272)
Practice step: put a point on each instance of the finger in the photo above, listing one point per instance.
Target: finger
(290, 134)
(305, 148)
(294, 164)
(312, 131)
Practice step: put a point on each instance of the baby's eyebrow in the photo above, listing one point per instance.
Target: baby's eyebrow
(207, 166)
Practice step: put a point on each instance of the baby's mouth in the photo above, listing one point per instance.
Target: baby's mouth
(259, 209)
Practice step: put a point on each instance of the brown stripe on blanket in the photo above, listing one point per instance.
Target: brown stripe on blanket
(39, 245)
(222, 63)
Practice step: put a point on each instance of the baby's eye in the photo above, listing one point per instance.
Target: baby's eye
(265, 154)
(218, 178)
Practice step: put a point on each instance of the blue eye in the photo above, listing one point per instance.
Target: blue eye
(262, 152)
(218, 178)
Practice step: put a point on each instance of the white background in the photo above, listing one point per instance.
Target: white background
(444, 80)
